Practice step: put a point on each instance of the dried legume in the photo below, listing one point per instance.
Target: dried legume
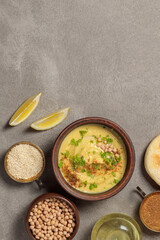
(55, 220)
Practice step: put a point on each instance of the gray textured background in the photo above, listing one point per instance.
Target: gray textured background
(101, 58)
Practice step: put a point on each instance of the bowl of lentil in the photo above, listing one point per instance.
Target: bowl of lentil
(24, 162)
(51, 216)
(102, 149)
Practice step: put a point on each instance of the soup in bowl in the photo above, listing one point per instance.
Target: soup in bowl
(93, 158)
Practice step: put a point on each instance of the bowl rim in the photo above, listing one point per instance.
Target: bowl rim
(31, 179)
(58, 196)
(98, 223)
(128, 144)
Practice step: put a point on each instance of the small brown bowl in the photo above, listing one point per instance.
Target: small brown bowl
(130, 159)
(150, 210)
(58, 196)
(29, 179)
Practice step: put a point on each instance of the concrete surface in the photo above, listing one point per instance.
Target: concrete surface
(101, 58)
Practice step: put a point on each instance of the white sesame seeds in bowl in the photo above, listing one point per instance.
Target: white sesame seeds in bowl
(24, 162)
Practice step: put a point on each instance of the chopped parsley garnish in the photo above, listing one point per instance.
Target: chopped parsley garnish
(113, 174)
(107, 160)
(78, 141)
(110, 167)
(77, 161)
(94, 136)
(71, 158)
(74, 142)
(118, 159)
(89, 152)
(67, 154)
(92, 186)
(113, 162)
(94, 152)
(109, 153)
(90, 175)
(83, 170)
(109, 140)
(116, 181)
(85, 183)
(96, 166)
(103, 139)
(82, 132)
(91, 141)
(60, 163)
(103, 154)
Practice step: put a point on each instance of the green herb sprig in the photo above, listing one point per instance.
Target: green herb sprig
(60, 164)
(77, 161)
(76, 142)
(92, 186)
(116, 181)
(89, 174)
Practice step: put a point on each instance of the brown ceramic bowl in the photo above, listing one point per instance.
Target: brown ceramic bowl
(149, 212)
(130, 159)
(150, 222)
(29, 179)
(58, 196)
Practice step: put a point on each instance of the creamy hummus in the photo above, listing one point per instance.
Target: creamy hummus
(92, 158)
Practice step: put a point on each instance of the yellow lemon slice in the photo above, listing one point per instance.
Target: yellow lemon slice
(51, 120)
(25, 110)
(152, 159)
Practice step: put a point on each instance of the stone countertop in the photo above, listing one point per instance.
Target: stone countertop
(101, 58)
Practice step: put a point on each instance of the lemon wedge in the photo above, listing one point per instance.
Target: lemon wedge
(51, 120)
(25, 110)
